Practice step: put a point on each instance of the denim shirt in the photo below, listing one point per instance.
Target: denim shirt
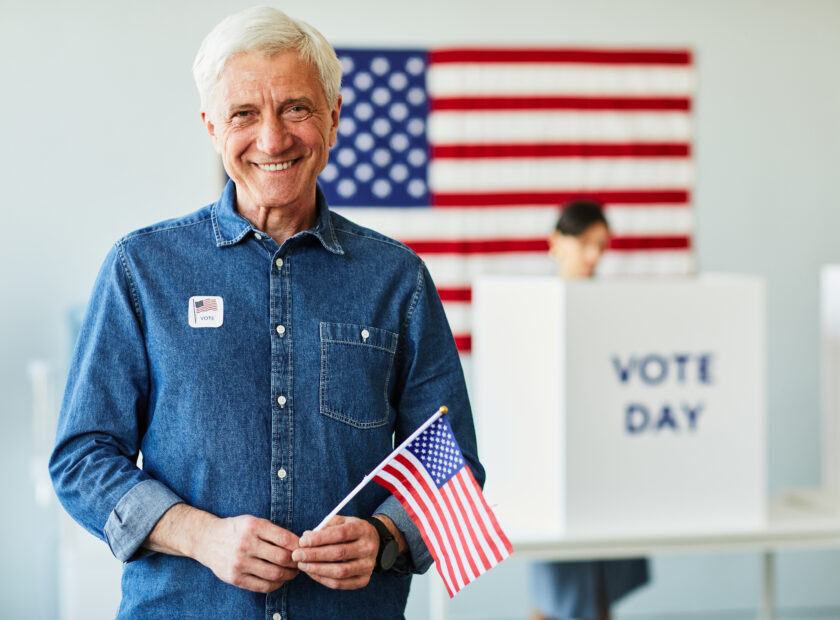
(331, 348)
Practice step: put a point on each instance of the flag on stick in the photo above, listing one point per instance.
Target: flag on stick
(427, 473)
(432, 481)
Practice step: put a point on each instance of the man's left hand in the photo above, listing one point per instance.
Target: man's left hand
(342, 555)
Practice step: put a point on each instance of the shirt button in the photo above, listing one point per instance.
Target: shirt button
(281, 329)
(281, 400)
(257, 235)
(365, 334)
(281, 473)
(279, 263)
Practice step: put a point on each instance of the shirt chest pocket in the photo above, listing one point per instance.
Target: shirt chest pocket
(356, 364)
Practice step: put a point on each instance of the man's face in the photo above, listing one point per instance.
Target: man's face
(272, 125)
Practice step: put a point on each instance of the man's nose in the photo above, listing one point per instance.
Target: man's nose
(274, 136)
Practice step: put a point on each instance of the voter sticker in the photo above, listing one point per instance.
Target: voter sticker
(206, 311)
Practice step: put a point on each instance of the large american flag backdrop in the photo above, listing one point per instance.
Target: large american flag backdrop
(466, 155)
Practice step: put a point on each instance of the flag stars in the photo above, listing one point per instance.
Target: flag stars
(385, 98)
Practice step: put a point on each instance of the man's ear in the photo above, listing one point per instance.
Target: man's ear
(334, 115)
(211, 129)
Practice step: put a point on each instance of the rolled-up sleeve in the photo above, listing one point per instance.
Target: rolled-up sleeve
(94, 463)
(431, 376)
(135, 515)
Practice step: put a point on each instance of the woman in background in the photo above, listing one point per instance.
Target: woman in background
(582, 590)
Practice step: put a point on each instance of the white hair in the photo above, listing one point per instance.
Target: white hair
(268, 31)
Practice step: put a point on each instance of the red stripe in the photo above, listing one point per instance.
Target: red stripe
(462, 538)
(473, 535)
(636, 104)
(463, 342)
(481, 151)
(478, 246)
(675, 242)
(572, 55)
(468, 472)
(420, 482)
(554, 199)
(455, 293)
(397, 492)
(540, 244)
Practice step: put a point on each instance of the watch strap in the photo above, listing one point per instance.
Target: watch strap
(385, 537)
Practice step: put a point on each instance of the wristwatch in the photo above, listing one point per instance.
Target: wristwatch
(389, 549)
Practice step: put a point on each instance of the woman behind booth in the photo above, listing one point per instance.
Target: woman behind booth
(583, 590)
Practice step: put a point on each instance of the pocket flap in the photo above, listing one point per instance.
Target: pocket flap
(349, 333)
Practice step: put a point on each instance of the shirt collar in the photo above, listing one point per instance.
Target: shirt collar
(230, 227)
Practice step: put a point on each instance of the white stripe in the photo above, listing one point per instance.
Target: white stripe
(459, 315)
(431, 504)
(546, 126)
(479, 502)
(442, 557)
(461, 517)
(513, 223)
(647, 263)
(418, 224)
(476, 528)
(650, 220)
(506, 79)
(558, 174)
(440, 506)
(458, 271)
(455, 271)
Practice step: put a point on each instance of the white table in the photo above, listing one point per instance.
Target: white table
(797, 519)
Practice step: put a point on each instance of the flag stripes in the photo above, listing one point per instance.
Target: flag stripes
(566, 55)
(465, 539)
(560, 103)
(506, 246)
(557, 126)
(557, 198)
(504, 174)
(480, 151)
(520, 223)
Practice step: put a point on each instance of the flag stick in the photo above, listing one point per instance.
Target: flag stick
(379, 467)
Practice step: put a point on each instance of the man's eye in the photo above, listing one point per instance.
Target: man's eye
(296, 113)
(241, 115)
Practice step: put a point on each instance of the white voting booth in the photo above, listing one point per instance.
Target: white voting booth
(621, 407)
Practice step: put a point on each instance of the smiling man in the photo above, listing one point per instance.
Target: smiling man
(263, 354)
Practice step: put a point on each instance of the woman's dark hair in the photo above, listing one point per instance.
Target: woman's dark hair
(579, 215)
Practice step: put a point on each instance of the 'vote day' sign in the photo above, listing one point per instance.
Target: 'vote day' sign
(621, 407)
(653, 370)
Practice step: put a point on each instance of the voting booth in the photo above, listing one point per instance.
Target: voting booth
(621, 407)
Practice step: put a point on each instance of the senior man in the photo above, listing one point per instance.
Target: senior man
(263, 354)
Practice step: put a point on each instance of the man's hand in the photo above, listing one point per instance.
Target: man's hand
(250, 553)
(342, 555)
(245, 551)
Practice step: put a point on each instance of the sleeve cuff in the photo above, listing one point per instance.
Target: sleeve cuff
(134, 516)
(418, 559)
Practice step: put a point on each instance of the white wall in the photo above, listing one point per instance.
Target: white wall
(99, 134)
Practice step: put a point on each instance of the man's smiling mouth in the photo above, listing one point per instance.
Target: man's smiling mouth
(274, 167)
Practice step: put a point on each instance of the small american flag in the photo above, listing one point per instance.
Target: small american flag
(205, 305)
(432, 481)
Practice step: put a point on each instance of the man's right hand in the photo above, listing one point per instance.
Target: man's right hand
(245, 551)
